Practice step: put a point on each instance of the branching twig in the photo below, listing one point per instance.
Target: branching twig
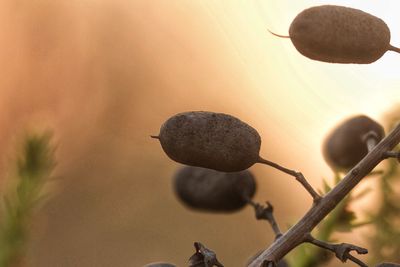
(298, 175)
(203, 257)
(299, 232)
(342, 251)
(266, 213)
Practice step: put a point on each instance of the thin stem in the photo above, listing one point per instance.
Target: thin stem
(342, 251)
(393, 48)
(391, 154)
(371, 139)
(298, 175)
(266, 213)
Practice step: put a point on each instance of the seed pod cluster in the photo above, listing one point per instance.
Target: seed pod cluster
(338, 34)
(214, 191)
(345, 146)
(211, 140)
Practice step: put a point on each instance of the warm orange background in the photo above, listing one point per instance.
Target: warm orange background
(104, 75)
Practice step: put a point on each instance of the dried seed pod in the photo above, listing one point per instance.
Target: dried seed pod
(209, 190)
(338, 34)
(160, 264)
(210, 140)
(347, 145)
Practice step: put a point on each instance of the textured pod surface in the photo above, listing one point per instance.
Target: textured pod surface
(210, 140)
(339, 34)
(345, 147)
(209, 190)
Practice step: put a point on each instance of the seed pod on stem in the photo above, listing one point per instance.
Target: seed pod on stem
(339, 34)
(210, 140)
(349, 142)
(210, 190)
(217, 141)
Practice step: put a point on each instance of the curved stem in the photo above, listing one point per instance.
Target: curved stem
(393, 48)
(298, 175)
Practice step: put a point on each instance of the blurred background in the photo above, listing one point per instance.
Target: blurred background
(104, 75)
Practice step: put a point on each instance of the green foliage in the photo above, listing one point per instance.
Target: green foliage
(34, 165)
(385, 242)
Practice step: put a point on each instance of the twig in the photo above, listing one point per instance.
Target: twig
(203, 257)
(298, 175)
(342, 251)
(299, 232)
(266, 213)
(392, 154)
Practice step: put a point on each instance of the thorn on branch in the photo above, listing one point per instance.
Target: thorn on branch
(298, 175)
(266, 213)
(342, 251)
(203, 257)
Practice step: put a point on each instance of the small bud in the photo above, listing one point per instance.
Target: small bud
(346, 145)
(210, 140)
(209, 190)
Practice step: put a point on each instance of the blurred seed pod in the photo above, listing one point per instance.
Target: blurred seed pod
(346, 145)
(160, 264)
(214, 191)
(211, 140)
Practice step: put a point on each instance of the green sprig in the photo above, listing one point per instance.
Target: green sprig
(34, 166)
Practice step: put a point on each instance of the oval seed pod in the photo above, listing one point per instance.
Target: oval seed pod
(209, 190)
(346, 145)
(338, 34)
(211, 140)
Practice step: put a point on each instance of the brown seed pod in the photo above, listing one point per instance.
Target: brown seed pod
(338, 34)
(347, 144)
(211, 140)
(209, 190)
